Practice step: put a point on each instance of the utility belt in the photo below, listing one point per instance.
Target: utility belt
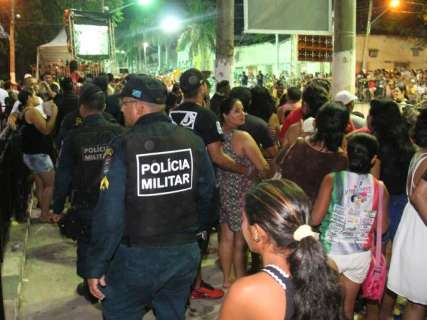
(83, 199)
(159, 241)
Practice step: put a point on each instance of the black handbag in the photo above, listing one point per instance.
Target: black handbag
(71, 227)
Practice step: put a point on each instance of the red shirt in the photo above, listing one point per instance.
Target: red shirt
(292, 118)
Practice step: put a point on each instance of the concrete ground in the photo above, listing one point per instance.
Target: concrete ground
(49, 281)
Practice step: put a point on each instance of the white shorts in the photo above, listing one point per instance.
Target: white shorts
(354, 266)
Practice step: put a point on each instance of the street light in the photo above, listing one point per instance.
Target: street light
(393, 4)
(170, 24)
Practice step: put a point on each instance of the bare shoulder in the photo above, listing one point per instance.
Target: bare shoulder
(258, 296)
(240, 135)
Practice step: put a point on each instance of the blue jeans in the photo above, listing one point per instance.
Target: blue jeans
(160, 276)
(395, 209)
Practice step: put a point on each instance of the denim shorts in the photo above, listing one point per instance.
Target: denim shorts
(38, 163)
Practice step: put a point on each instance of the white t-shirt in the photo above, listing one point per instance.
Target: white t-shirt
(17, 103)
(3, 96)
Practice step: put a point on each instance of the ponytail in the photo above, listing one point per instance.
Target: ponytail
(317, 291)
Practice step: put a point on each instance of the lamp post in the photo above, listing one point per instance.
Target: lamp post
(393, 4)
(12, 42)
(145, 45)
(169, 25)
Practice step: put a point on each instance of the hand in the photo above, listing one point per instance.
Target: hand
(94, 287)
(11, 122)
(55, 217)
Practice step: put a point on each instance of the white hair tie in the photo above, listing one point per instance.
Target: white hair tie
(305, 231)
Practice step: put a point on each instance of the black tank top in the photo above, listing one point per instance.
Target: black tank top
(283, 279)
(33, 141)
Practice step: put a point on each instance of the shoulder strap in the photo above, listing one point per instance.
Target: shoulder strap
(379, 221)
(277, 274)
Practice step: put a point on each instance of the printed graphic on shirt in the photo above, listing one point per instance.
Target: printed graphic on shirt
(188, 118)
(164, 172)
(353, 222)
(93, 153)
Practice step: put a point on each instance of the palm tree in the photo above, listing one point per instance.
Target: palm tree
(199, 36)
(224, 40)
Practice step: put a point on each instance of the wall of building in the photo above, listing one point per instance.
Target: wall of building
(392, 52)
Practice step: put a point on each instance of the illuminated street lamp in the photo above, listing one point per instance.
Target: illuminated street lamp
(394, 4)
(170, 24)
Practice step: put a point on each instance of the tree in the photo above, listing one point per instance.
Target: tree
(199, 35)
(224, 40)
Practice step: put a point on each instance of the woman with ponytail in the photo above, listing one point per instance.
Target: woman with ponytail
(296, 282)
(346, 209)
(311, 158)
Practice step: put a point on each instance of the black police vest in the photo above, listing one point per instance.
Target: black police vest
(162, 162)
(90, 143)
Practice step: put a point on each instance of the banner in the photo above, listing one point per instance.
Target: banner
(304, 17)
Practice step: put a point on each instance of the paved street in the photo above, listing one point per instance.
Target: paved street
(50, 281)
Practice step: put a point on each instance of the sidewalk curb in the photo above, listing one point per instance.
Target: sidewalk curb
(13, 266)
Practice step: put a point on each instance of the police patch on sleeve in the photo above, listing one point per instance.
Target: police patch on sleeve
(164, 172)
(108, 156)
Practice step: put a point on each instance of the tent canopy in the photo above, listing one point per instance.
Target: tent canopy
(55, 51)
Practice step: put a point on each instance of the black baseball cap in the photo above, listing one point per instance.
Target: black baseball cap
(191, 79)
(88, 92)
(145, 88)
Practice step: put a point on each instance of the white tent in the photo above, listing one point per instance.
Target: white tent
(54, 52)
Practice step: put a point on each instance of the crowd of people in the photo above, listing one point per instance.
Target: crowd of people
(291, 173)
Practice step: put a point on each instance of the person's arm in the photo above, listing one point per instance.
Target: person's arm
(42, 125)
(376, 168)
(253, 153)
(63, 176)
(323, 199)
(224, 161)
(108, 218)
(270, 152)
(386, 198)
(419, 198)
(292, 134)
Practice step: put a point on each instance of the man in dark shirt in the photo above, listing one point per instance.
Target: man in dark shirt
(66, 101)
(222, 93)
(255, 126)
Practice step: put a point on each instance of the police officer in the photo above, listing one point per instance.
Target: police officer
(79, 170)
(155, 196)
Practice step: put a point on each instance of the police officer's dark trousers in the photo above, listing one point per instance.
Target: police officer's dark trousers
(85, 218)
(139, 276)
